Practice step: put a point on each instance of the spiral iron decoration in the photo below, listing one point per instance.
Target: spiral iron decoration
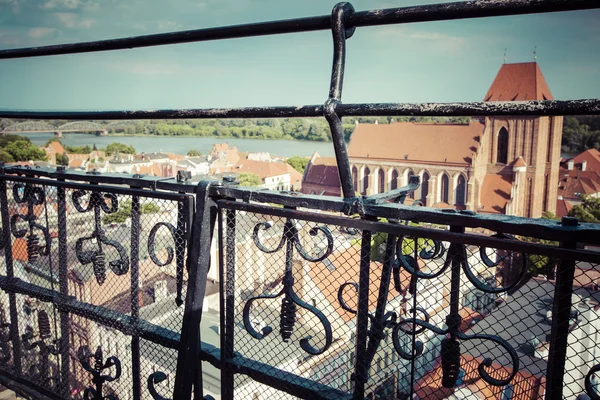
(32, 196)
(290, 301)
(96, 368)
(592, 391)
(99, 202)
(46, 347)
(159, 377)
(177, 237)
(456, 259)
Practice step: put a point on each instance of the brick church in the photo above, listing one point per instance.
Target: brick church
(499, 165)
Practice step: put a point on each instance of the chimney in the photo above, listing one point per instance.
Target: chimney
(570, 164)
(161, 291)
(583, 165)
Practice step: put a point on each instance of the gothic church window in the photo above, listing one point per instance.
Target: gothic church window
(502, 153)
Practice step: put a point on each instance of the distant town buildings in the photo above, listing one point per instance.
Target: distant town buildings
(578, 177)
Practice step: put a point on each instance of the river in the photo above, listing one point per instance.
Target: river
(181, 145)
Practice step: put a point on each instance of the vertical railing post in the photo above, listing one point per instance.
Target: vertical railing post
(135, 292)
(227, 275)
(12, 298)
(189, 368)
(340, 34)
(65, 326)
(361, 369)
(561, 310)
(450, 352)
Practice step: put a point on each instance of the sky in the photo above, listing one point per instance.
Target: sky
(434, 61)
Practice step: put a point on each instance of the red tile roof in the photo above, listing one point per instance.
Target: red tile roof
(347, 264)
(516, 82)
(420, 143)
(592, 156)
(322, 175)
(495, 193)
(266, 169)
(563, 207)
(57, 147)
(519, 162)
(525, 386)
(574, 183)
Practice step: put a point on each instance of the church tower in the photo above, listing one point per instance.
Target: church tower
(523, 150)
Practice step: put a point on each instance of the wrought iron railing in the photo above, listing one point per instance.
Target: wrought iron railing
(302, 299)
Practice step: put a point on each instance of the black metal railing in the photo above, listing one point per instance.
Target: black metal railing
(114, 287)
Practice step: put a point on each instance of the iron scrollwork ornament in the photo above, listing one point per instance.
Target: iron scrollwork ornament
(177, 237)
(96, 369)
(99, 202)
(47, 347)
(397, 258)
(592, 388)
(159, 377)
(32, 196)
(290, 300)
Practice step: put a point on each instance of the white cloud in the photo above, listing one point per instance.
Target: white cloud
(40, 32)
(72, 20)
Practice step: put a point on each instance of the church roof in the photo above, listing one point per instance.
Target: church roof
(322, 172)
(495, 193)
(417, 142)
(517, 82)
(519, 162)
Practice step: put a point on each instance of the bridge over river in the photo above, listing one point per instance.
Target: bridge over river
(74, 126)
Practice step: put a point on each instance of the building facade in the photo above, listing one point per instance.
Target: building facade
(499, 165)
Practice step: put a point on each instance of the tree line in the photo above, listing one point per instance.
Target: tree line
(315, 129)
(581, 133)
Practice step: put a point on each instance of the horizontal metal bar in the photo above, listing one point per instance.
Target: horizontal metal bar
(271, 376)
(412, 231)
(25, 388)
(379, 198)
(258, 371)
(33, 175)
(424, 13)
(119, 321)
(171, 196)
(522, 108)
(539, 228)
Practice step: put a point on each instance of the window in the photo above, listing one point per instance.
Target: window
(394, 183)
(461, 190)
(408, 175)
(366, 180)
(425, 188)
(355, 178)
(502, 153)
(444, 189)
(381, 181)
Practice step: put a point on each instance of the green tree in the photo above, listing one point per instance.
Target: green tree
(588, 210)
(249, 179)
(194, 153)
(124, 212)
(22, 150)
(119, 148)
(6, 157)
(78, 149)
(298, 163)
(62, 159)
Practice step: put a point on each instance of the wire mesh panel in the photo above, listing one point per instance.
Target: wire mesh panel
(94, 272)
(447, 314)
